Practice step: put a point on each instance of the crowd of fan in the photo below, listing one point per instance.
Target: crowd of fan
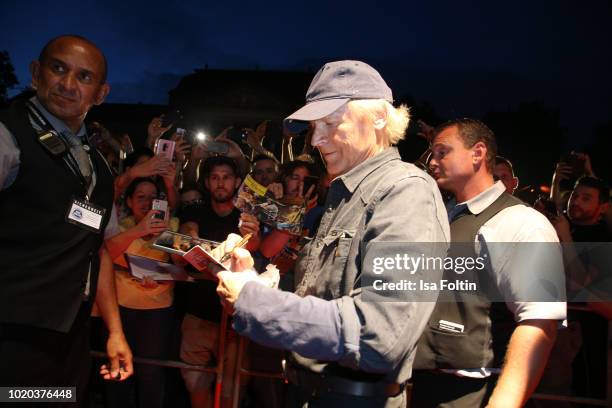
(200, 185)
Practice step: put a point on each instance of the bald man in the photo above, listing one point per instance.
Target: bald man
(56, 196)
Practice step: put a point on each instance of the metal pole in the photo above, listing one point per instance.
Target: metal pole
(237, 377)
(221, 358)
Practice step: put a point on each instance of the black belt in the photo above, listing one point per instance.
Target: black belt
(317, 384)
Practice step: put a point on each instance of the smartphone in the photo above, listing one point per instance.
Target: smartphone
(217, 147)
(309, 181)
(162, 207)
(165, 148)
(576, 163)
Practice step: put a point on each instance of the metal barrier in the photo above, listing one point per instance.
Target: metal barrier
(240, 371)
(217, 370)
(576, 400)
(583, 400)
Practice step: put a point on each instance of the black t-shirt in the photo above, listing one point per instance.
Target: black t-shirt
(594, 327)
(593, 255)
(200, 298)
(590, 233)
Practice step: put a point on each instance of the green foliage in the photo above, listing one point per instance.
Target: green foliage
(8, 79)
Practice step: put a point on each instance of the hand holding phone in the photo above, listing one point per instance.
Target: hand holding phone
(576, 163)
(161, 206)
(165, 148)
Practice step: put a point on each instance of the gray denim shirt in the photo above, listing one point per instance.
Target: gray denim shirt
(327, 324)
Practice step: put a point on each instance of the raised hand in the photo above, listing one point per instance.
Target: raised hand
(181, 147)
(426, 132)
(563, 171)
(155, 130)
(277, 190)
(169, 175)
(150, 225)
(249, 224)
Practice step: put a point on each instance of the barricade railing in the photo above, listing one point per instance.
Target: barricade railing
(217, 370)
(240, 371)
(596, 402)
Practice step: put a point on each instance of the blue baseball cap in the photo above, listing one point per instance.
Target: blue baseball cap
(334, 85)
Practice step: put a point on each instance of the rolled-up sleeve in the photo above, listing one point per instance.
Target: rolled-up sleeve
(526, 263)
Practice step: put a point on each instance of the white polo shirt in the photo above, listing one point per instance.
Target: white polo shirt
(516, 224)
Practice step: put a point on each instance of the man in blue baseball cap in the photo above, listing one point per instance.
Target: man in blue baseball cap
(345, 349)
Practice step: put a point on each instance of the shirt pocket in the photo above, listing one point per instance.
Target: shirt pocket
(337, 243)
(333, 260)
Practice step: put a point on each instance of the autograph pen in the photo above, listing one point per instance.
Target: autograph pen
(240, 244)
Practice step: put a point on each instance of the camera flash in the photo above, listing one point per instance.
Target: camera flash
(201, 136)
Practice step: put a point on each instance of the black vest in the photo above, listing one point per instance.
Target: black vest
(44, 260)
(487, 325)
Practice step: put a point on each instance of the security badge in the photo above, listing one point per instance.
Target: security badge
(81, 212)
(85, 214)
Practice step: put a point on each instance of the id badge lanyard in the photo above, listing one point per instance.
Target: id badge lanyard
(65, 153)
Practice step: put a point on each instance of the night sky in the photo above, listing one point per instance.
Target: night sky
(464, 57)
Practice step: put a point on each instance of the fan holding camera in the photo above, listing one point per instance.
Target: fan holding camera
(146, 305)
(161, 158)
(225, 144)
(143, 162)
(571, 167)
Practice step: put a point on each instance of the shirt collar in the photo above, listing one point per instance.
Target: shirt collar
(356, 175)
(478, 204)
(56, 123)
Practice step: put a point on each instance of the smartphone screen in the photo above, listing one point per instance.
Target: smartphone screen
(217, 147)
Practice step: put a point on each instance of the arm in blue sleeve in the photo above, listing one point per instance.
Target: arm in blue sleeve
(309, 326)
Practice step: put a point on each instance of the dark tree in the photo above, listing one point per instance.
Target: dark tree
(8, 79)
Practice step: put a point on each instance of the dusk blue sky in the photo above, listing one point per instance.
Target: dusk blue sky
(465, 57)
